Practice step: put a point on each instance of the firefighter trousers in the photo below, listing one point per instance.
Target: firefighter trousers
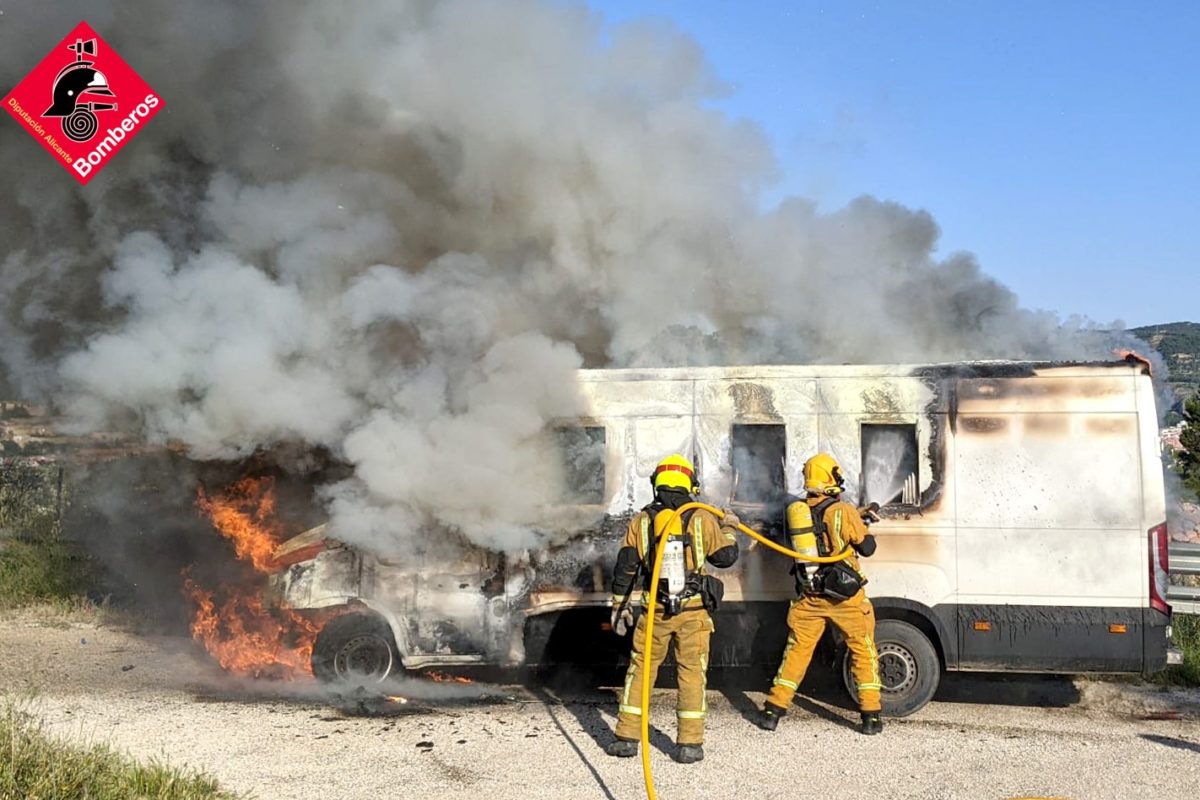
(855, 618)
(688, 634)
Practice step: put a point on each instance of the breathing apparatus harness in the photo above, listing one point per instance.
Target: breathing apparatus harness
(655, 576)
(680, 583)
(836, 581)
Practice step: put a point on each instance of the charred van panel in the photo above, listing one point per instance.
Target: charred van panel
(1121, 425)
(330, 578)
(1048, 393)
(753, 401)
(983, 425)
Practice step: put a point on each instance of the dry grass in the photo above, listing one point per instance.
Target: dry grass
(37, 766)
(71, 612)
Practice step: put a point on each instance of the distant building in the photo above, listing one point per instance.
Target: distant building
(1170, 438)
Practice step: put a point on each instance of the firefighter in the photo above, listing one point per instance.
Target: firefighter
(686, 597)
(823, 524)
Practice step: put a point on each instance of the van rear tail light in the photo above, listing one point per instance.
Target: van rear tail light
(1159, 565)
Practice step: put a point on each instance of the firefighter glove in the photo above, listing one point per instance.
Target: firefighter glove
(867, 546)
(622, 619)
(730, 520)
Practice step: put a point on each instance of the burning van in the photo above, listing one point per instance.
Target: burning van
(1023, 524)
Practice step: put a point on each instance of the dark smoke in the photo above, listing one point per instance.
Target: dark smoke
(393, 229)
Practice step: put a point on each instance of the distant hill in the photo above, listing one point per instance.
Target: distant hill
(1179, 343)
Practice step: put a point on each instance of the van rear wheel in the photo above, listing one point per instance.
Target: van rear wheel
(908, 668)
(354, 650)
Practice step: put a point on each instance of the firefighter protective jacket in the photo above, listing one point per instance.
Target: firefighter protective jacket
(707, 535)
(843, 526)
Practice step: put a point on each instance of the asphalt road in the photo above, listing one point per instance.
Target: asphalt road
(984, 738)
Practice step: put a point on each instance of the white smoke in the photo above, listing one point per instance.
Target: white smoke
(393, 229)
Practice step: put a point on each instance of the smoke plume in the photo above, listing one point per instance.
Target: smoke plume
(391, 230)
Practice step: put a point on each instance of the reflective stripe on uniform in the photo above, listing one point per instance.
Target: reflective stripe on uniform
(862, 686)
(785, 682)
(698, 551)
(874, 658)
(838, 545)
(704, 682)
(689, 714)
(629, 674)
(635, 710)
(791, 642)
(645, 535)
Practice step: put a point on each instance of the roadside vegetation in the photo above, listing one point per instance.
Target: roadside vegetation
(1186, 633)
(1179, 344)
(37, 766)
(1187, 461)
(37, 565)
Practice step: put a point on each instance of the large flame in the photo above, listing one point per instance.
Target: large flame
(235, 624)
(249, 638)
(243, 514)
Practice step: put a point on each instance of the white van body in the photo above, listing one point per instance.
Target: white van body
(1023, 515)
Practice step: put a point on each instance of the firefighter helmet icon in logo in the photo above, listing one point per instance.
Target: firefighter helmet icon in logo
(72, 84)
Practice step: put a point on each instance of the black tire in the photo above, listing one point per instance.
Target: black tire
(355, 650)
(908, 668)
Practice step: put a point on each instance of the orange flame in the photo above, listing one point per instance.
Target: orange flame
(442, 677)
(243, 632)
(248, 638)
(243, 515)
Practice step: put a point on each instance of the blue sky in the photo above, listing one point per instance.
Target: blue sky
(1059, 142)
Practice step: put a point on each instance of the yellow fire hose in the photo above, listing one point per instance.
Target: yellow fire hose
(647, 658)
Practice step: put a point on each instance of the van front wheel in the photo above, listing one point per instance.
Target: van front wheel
(908, 668)
(356, 650)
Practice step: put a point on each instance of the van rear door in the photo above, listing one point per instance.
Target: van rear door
(1051, 545)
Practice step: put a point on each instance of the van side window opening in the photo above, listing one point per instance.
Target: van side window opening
(582, 450)
(889, 465)
(758, 453)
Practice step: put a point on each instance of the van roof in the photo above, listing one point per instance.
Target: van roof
(1131, 365)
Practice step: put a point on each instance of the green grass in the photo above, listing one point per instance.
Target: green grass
(1185, 632)
(36, 766)
(36, 564)
(41, 571)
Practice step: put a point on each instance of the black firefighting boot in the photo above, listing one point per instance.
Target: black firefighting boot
(622, 748)
(768, 718)
(689, 753)
(871, 723)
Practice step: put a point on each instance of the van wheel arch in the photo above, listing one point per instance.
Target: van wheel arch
(912, 655)
(356, 647)
(920, 617)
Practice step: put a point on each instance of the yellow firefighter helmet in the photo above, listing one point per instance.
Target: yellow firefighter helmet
(822, 475)
(675, 472)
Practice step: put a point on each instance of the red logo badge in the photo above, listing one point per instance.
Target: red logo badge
(83, 103)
